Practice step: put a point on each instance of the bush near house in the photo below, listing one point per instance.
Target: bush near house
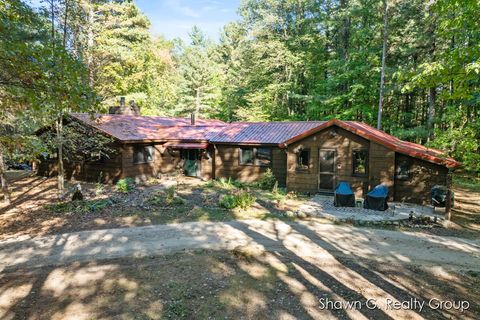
(267, 181)
(125, 185)
(241, 199)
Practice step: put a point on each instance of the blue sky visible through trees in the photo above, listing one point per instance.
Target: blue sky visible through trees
(175, 18)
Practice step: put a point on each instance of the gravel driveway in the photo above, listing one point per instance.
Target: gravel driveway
(306, 239)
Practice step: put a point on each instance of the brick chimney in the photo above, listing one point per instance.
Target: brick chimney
(132, 108)
(192, 119)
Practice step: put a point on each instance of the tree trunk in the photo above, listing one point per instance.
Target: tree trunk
(344, 47)
(60, 170)
(3, 180)
(432, 94)
(90, 43)
(65, 22)
(382, 73)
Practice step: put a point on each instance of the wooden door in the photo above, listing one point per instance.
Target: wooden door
(326, 174)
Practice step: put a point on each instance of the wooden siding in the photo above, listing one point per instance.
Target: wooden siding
(381, 163)
(207, 164)
(108, 171)
(333, 138)
(227, 165)
(139, 171)
(164, 162)
(423, 176)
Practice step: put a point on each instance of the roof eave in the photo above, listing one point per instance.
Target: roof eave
(270, 144)
(449, 163)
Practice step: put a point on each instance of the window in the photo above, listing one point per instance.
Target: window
(96, 156)
(256, 156)
(403, 170)
(263, 156)
(246, 155)
(142, 154)
(360, 162)
(303, 159)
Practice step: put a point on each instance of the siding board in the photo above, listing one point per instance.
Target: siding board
(333, 138)
(227, 165)
(423, 176)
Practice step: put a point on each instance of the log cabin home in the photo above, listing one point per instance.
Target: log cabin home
(304, 156)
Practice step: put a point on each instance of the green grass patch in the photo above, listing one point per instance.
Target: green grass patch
(79, 207)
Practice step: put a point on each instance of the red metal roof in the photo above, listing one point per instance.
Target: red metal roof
(263, 132)
(128, 128)
(364, 130)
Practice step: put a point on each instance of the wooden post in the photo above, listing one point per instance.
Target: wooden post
(448, 205)
(448, 201)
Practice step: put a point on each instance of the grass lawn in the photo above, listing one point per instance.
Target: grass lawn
(224, 285)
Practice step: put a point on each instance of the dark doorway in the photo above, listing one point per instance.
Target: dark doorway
(191, 162)
(326, 170)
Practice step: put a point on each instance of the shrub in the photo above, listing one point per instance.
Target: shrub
(229, 184)
(242, 199)
(178, 201)
(125, 185)
(170, 194)
(99, 189)
(228, 201)
(225, 183)
(245, 199)
(166, 197)
(79, 207)
(267, 181)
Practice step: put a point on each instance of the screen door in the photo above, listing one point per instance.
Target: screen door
(327, 170)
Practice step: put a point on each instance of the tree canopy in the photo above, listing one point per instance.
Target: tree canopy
(281, 60)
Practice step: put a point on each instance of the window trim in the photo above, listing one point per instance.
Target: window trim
(254, 163)
(297, 155)
(354, 174)
(144, 147)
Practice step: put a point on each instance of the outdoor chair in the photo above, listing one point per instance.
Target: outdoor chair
(344, 196)
(377, 198)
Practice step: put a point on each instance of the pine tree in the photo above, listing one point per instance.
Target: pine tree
(199, 71)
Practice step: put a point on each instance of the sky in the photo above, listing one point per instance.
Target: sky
(175, 18)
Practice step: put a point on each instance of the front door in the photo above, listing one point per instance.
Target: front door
(326, 170)
(190, 164)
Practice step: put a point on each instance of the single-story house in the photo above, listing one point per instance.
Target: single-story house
(304, 156)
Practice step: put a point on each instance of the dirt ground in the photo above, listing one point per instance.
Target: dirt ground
(229, 285)
(278, 282)
(31, 211)
(465, 218)
(29, 214)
